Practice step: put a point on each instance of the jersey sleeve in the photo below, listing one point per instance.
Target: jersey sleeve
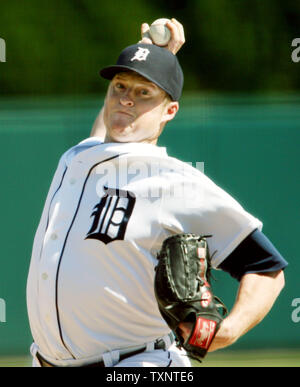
(81, 146)
(255, 254)
(193, 203)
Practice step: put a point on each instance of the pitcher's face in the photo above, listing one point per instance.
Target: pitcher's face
(136, 109)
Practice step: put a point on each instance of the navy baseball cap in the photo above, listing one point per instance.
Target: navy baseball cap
(154, 63)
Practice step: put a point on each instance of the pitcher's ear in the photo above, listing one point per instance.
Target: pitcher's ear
(171, 109)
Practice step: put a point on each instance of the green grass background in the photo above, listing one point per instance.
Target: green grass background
(222, 358)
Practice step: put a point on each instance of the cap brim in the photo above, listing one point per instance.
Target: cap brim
(110, 71)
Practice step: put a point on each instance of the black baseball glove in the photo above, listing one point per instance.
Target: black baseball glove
(183, 292)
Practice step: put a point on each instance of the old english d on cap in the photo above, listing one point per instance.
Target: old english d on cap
(156, 64)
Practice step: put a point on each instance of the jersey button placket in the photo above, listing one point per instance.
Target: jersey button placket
(53, 236)
(48, 268)
(44, 276)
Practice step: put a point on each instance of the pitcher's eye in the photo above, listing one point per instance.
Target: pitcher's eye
(119, 86)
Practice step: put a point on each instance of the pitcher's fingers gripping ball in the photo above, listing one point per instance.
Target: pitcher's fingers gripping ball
(184, 294)
(159, 32)
(165, 33)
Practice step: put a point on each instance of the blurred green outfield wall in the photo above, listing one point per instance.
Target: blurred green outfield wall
(249, 146)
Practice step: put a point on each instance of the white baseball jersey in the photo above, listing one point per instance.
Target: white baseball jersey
(108, 210)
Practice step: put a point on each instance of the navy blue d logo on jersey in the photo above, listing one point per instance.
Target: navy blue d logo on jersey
(111, 215)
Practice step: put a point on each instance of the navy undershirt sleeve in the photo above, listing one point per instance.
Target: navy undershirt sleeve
(255, 254)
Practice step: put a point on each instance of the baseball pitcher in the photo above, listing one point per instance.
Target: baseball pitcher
(121, 259)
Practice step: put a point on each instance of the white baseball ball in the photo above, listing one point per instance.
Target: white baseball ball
(159, 32)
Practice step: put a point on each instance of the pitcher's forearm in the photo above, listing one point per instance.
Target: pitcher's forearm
(256, 296)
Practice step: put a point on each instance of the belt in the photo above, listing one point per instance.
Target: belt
(159, 344)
